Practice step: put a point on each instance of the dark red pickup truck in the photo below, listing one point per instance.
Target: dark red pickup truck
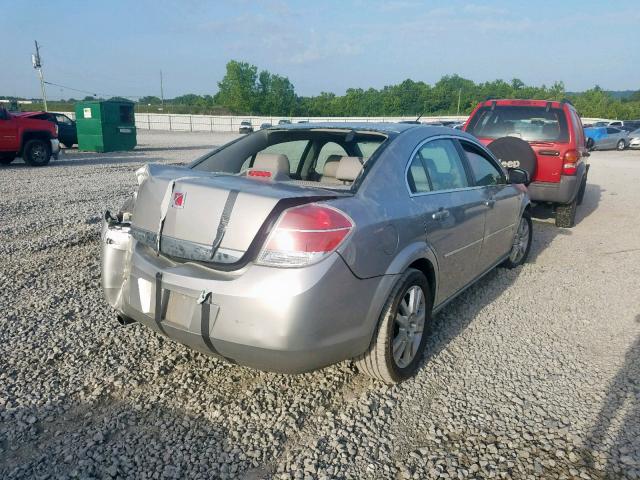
(36, 141)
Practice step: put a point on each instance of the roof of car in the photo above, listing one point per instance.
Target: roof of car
(382, 127)
(524, 102)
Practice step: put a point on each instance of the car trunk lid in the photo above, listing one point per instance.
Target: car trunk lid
(210, 217)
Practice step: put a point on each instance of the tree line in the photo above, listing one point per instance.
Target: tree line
(245, 91)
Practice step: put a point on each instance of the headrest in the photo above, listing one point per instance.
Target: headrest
(349, 168)
(331, 166)
(276, 163)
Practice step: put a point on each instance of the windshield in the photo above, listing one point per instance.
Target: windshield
(296, 156)
(528, 123)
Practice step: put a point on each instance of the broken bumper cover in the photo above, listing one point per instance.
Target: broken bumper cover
(288, 320)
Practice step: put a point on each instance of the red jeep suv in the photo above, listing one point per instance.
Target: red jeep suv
(554, 132)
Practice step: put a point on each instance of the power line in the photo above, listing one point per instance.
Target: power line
(90, 92)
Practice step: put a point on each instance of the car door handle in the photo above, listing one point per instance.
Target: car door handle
(440, 214)
(490, 203)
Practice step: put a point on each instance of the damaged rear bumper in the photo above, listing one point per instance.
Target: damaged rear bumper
(288, 320)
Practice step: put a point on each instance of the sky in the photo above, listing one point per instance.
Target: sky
(118, 47)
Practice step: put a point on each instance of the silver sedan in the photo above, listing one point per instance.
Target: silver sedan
(614, 139)
(299, 246)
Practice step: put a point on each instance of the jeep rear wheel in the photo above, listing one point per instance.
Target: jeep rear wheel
(566, 214)
(401, 334)
(37, 153)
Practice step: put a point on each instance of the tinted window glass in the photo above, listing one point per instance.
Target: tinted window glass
(417, 177)
(612, 131)
(444, 165)
(484, 171)
(528, 123)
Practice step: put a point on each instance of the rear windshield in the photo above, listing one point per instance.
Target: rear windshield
(304, 157)
(528, 123)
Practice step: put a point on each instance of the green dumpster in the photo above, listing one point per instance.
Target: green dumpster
(105, 126)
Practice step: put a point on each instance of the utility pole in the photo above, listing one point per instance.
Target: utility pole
(37, 64)
(459, 94)
(161, 91)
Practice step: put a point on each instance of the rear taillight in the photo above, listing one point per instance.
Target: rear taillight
(304, 235)
(570, 162)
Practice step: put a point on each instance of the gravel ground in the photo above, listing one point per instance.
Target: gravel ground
(531, 373)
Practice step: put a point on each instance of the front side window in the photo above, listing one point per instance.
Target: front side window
(484, 172)
(443, 164)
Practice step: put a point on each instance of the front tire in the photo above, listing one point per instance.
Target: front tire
(400, 337)
(37, 153)
(621, 145)
(521, 243)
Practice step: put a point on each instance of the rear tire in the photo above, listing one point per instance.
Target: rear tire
(406, 313)
(37, 153)
(621, 145)
(566, 214)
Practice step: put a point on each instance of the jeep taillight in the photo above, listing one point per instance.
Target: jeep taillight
(570, 162)
(304, 235)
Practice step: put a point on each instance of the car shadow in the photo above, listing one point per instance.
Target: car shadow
(615, 436)
(81, 436)
(457, 315)
(592, 197)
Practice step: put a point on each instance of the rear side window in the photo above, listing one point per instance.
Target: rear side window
(527, 122)
(484, 172)
(417, 177)
(612, 131)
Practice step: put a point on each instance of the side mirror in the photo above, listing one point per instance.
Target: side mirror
(518, 175)
(590, 143)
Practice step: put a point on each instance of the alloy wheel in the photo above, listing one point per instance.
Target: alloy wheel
(409, 326)
(520, 242)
